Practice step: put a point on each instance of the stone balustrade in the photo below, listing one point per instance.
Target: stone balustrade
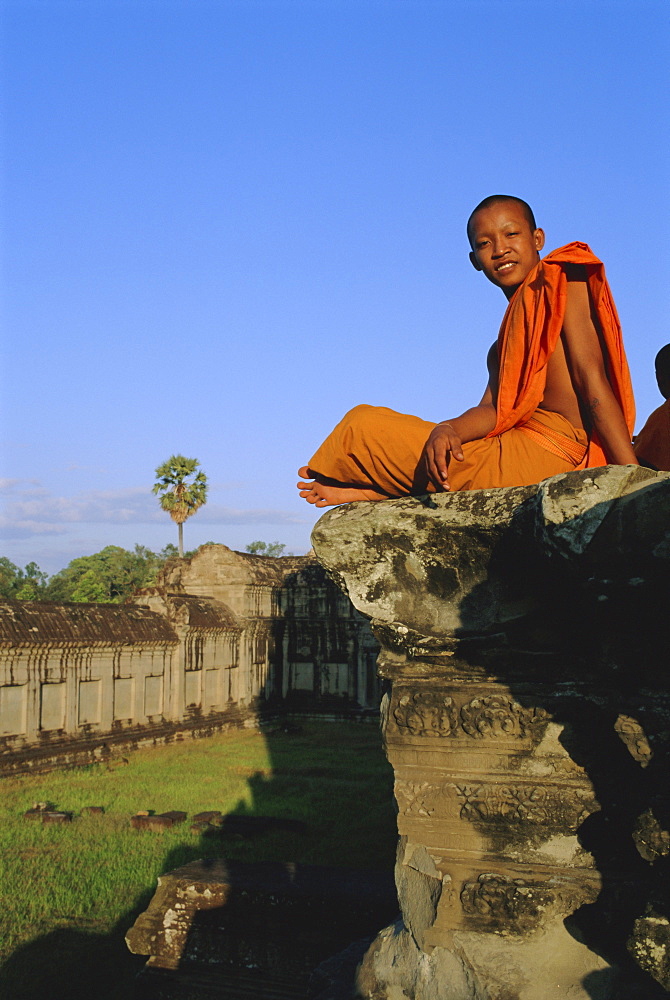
(524, 638)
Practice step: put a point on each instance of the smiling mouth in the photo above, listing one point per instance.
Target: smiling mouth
(506, 266)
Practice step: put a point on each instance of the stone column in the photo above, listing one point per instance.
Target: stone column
(526, 720)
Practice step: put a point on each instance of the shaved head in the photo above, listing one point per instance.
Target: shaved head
(662, 362)
(662, 365)
(495, 199)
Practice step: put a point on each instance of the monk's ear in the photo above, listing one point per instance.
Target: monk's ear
(474, 261)
(538, 236)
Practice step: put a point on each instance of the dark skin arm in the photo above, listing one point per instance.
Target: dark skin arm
(584, 355)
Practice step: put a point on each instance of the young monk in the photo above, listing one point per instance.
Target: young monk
(558, 398)
(652, 444)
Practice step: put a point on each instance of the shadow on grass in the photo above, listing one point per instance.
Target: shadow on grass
(79, 964)
(68, 964)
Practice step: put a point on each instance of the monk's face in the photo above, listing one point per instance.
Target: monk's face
(504, 246)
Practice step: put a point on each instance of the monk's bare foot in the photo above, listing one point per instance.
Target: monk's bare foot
(324, 492)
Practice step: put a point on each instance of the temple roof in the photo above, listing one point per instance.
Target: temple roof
(38, 622)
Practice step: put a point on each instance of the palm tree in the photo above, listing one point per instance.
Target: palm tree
(178, 497)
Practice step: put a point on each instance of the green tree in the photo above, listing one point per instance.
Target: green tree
(33, 584)
(27, 584)
(106, 577)
(179, 497)
(9, 575)
(109, 576)
(266, 548)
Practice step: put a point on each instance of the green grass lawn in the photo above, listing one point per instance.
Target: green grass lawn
(69, 893)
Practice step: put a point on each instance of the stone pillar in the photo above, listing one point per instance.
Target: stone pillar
(524, 639)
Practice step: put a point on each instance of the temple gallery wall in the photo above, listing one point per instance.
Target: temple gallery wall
(223, 638)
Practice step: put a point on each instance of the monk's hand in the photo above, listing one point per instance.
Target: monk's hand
(442, 442)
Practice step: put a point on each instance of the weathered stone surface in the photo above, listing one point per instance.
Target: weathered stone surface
(524, 637)
(581, 514)
(36, 811)
(176, 815)
(201, 827)
(207, 816)
(157, 823)
(395, 968)
(276, 919)
(419, 885)
(57, 817)
(449, 564)
(413, 561)
(650, 945)
(480, 968)
(43, 812)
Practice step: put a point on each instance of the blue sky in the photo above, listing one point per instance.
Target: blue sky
(225, 223)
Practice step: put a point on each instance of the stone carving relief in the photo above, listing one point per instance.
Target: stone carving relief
(633, 735)
(426, 713)
(418, 798)
(482, 802)
(503, 898)
(525, 804)
(514, 903)
(500, 716)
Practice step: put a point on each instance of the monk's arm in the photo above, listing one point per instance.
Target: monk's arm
(584, 356)
(448, 436)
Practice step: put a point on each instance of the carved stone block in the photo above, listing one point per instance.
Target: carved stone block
(524, 634)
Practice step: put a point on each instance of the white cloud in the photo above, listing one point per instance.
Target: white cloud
(31, 510)
(27, 529)
(25, 487)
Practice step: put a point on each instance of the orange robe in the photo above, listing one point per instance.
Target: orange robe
(652, 444)
(376, 447)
